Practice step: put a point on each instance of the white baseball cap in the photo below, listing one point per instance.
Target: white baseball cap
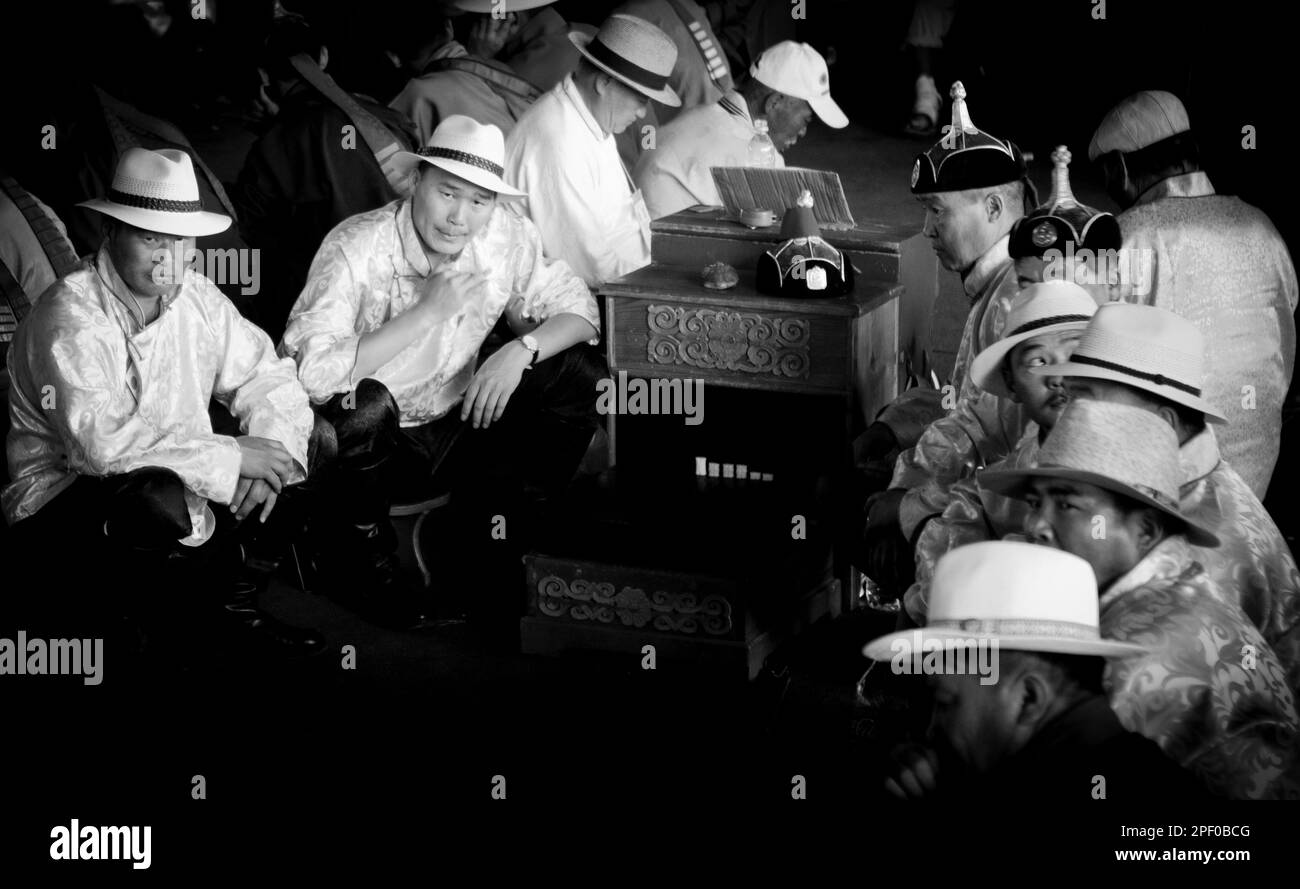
(798, 70)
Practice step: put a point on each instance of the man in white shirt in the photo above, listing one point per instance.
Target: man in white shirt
(387, 334)
(787, 85)
(114, 459)
(562, 151)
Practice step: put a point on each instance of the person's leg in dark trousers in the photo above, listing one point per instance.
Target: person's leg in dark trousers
(377, 459)
(501, 477)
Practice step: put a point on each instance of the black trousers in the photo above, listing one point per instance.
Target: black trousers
(106, 546)
(495, 475)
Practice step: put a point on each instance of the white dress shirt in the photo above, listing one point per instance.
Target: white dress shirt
(372, 268)
(580, 195)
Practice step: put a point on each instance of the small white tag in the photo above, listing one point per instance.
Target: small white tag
(816, 278)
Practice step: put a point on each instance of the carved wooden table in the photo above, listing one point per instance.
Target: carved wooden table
(716, 570)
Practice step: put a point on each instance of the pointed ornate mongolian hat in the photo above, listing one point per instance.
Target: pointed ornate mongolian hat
(1063, 220)
(966, 156)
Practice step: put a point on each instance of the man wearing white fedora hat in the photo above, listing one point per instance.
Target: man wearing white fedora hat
(1211, 692)
(1151, 358)
(113, 373)
(1043, 327)
(562, 151)
(387, 335)
(1042, 729)
(788, 85)
(1215, 260)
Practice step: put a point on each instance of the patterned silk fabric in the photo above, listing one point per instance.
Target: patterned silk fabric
(372, 268)
(982, 427)
(972, 514)
(1252, 567)
(1210, 691)
(94, 395)
(1220, 263)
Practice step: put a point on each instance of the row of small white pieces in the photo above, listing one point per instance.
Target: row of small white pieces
(729, 470)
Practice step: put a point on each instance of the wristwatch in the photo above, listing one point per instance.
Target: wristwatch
(530, 343)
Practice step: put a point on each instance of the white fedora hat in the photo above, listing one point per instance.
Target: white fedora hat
(1119, 447)
(1026, 597)
(798, 70)
(476, 152)
(1048, 307)
(1146, 347)
(636, 52)
(157, 191)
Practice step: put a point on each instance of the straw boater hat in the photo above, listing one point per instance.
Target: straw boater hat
(474, 151)
(1063, 220)
(966, 157)
(1024, 597)
(1048, 307)
(1124, 449)
(158, 192)
(1146, 347)
(634, 51)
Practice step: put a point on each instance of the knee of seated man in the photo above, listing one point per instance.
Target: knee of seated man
(361, 416)
(148, 509)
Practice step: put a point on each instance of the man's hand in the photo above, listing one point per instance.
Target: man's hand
(494, 383)
(251, 493)
(264, 459)
(882, 542)
(489, 34)
(446, 294)
(915, 772)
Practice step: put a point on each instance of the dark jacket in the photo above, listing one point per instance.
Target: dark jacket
(298, 182)
(1067, 756)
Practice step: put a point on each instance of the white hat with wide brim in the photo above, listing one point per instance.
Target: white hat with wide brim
(1022, 596)
(635, 52)
(1120, 448)
(157, 191)
(1146, 347)
(1048, 307)
(462, 146)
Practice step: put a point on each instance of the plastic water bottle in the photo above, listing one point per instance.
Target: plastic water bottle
(762, 153)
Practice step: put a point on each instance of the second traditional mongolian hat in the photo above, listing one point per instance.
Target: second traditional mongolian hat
(474, 151)
(1022, 596)
(1063, 220)
(1146, 347)
(1049, 307)
(1121, 448)
(966, 156)
(158, 191)
(636, 52)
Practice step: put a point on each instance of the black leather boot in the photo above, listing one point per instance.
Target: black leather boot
(239, 602)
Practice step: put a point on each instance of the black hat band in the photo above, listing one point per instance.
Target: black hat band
(619, 65)
(463, 157)
(164, 205)
(1158, 379)
(1047, 322)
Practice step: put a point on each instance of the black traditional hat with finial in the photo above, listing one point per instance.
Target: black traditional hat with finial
(966, 156)
(1063, 220)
